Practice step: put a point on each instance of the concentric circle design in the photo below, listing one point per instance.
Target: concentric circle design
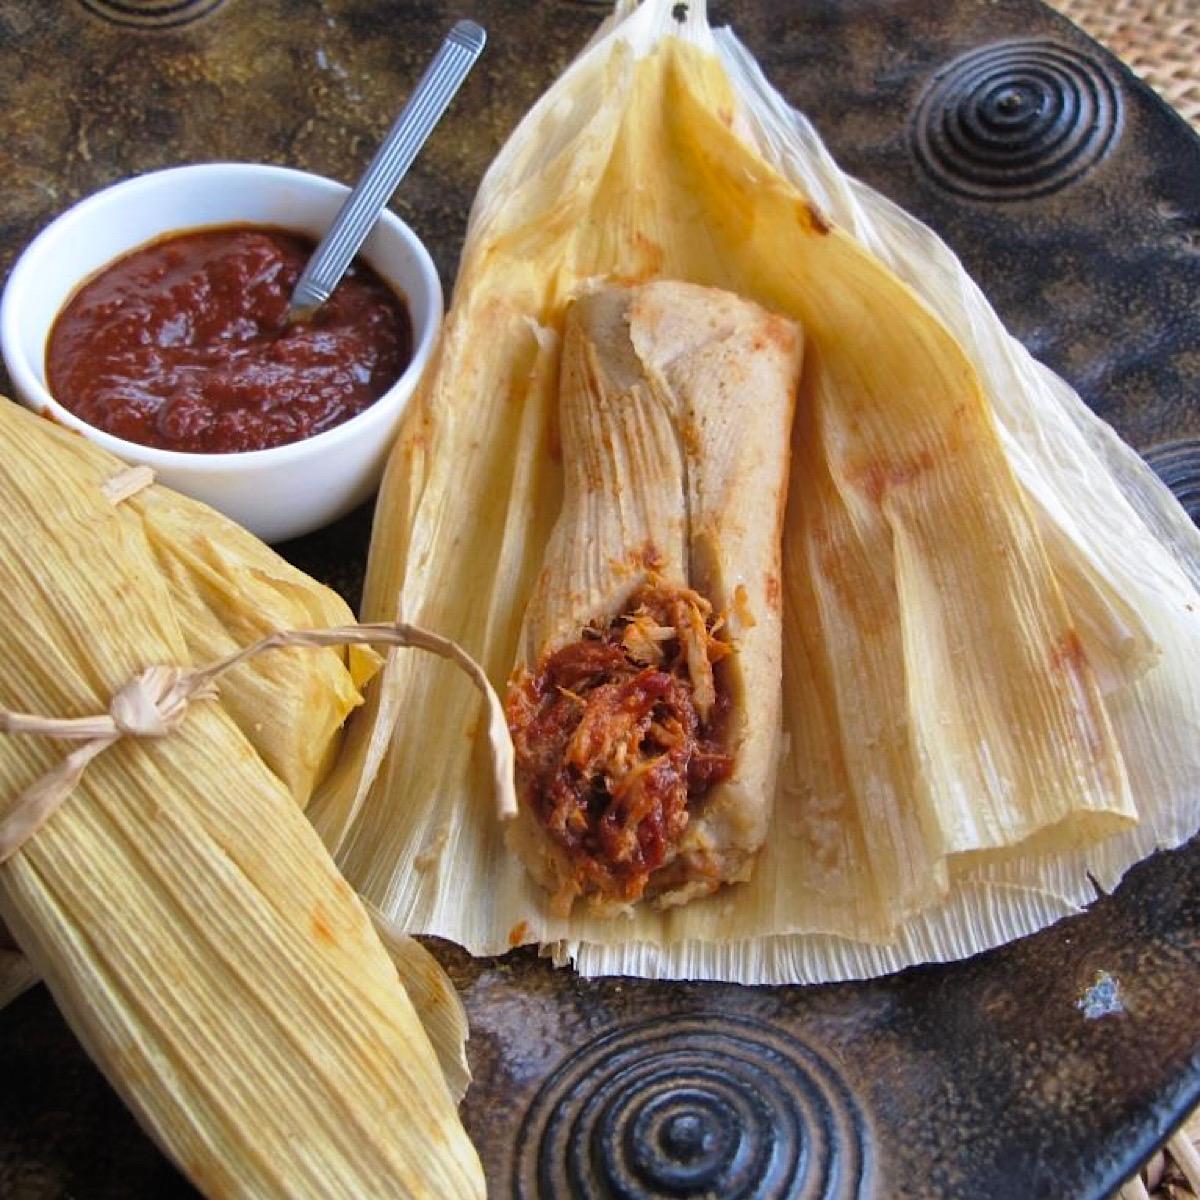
(1016, 120)
(691, 1107)
(1177, 464)
(151, 14)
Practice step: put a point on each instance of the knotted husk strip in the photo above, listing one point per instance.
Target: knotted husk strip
(979, 715)
(183, 913)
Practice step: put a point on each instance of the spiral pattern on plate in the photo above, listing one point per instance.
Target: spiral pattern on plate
(151, 14)
(1177, 464)
(1015, 120)
(692, 1107)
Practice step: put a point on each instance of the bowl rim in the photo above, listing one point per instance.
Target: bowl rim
(27, 383)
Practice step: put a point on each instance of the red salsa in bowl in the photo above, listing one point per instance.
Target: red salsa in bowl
(183, 344)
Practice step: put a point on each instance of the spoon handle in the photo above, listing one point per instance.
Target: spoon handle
(443, 77)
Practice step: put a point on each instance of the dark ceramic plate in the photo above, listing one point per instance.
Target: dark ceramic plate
(1071, 192)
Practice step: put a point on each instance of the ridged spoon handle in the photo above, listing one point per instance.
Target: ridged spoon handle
(443, 77)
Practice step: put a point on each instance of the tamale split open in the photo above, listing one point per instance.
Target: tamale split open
(660, 785)
(983, 706)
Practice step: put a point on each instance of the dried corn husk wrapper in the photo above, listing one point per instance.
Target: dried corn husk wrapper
(190, 925)
(991, 629)
(17, 976)
(228, 590)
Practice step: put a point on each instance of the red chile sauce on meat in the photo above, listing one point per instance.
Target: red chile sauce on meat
(182, 344)
(612, 751)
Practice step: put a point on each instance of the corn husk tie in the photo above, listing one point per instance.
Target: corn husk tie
(153, 703)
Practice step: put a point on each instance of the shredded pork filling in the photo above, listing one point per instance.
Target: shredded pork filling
(614, 737)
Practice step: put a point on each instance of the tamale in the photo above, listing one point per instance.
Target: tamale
(646, 705)
(229, 589)
(182, 911)
(984, 705)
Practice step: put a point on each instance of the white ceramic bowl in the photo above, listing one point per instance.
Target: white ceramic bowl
(277, 493)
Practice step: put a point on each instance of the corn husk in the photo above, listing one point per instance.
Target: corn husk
(433, 997)
(229, 590)
(991, 652)
(180, 908)
(17, 976)
(438, 1005)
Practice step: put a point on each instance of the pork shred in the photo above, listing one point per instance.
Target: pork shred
(615, 740)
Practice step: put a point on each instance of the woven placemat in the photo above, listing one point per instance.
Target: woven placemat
(1173, 1173)
(1160, 41)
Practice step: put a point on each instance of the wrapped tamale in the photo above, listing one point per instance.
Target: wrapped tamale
(228, 589)
(180, 908)
(645, 710)
(986, 706)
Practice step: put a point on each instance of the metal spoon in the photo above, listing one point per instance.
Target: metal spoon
(454, 59)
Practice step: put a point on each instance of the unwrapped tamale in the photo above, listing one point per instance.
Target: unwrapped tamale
(645, 706)
(184, 914)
